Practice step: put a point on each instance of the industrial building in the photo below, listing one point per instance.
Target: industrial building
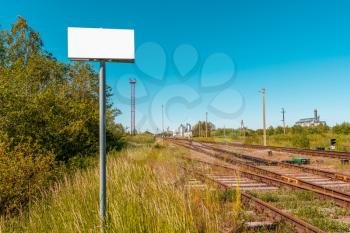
(184, 131)
(313, 121)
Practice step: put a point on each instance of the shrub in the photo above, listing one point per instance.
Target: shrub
(48, 102)
(343, 128)
(24, 171)
(48, 115)
(301, 141)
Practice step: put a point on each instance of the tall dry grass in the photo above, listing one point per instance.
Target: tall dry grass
(139, 199)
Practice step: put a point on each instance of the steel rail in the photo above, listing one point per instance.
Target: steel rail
(284, 177)
(331, 154)
(272, 211)
(341, 199)
(332, 175)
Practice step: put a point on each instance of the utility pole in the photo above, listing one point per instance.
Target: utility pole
(242, 128)
(283, 120)
(263, 92)
(199, 128)
(162, 120)
(224, 131)
(206, 124)
(132, 120)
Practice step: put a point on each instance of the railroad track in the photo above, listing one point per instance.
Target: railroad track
(267, 175)
(328, 174)
(331, 175)
(229, 181)
(331, 154)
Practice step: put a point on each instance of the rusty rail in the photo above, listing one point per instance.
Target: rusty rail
(332, 175)
(270, 210)
(311, 152)
(340, 198)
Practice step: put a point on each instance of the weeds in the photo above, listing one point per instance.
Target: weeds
(140, 199)
(305, 205)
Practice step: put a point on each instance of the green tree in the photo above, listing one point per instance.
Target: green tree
(301, 141)
(297, 129)
(279, 130)
(270, 130)
(343, 128)
(48, 102)
(198, 130)
(48, 115)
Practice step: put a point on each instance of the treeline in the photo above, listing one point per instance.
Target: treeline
(199, 129)
(342, 129)
(302, 137)
(48, 116)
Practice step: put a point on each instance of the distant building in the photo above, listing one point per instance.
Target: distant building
(313, 121)
(183, 131)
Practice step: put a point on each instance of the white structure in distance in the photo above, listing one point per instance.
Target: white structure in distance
(313, 121)
(183, 131)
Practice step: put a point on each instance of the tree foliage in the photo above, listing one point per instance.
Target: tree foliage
(24, 171)
(45, 101)
(301, 141)
(343, 128)
(47, 105)
(199, 129)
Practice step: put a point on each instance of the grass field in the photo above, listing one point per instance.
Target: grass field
(143, 196)
(147, 192)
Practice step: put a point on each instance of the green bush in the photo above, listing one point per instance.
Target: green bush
(301, 141)
(24, 171)
(48, 115)
(343, 128)
(48, 102)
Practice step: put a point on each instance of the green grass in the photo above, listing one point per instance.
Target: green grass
(307, 206)
(140, 139)
(146, 193)
(141, 194)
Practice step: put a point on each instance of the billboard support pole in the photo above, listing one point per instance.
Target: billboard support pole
(102, 142)
(98, 44)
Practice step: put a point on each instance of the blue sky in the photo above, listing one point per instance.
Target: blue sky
(197, 56)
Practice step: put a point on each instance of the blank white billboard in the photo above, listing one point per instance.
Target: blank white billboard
(98, 44)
